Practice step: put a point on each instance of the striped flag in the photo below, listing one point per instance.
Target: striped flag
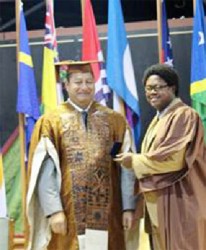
(51, 90)
(120, 72)
(198, 63)
(91, 50)
(27, 98)
(3, 207)
(167, 56)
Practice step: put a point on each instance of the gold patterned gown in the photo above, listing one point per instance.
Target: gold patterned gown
(88, 179)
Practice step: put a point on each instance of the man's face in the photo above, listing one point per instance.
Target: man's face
(158, 93)
(81, 88)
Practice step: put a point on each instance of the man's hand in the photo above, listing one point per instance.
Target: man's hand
(128, 220)
(125, 159)
(58, 223)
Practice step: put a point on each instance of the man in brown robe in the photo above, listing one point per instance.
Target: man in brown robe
(171, 168)
(74, 198)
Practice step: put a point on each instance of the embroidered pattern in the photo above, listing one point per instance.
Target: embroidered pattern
(88, 157)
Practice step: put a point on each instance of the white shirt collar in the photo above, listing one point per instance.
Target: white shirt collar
(79, 108)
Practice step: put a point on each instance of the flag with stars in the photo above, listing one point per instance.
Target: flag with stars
(27, 99)
(51, 90)
(91, 50)
(167, 56)
(198, 63)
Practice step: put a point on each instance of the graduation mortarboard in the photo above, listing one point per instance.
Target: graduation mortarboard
(64, 68)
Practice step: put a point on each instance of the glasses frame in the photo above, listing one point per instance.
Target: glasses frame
(156, 88)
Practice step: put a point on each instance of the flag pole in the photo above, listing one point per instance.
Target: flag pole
(82, 7)
(159, 28)
(194, 5)
(21, 132)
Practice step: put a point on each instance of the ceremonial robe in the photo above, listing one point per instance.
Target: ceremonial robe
(88, 178)
(172, 174)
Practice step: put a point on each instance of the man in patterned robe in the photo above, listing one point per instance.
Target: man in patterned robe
(74, 198)
(172, 166)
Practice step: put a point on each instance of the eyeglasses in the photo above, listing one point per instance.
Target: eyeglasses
(156, 88)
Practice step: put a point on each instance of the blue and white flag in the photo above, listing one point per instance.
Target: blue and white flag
(120, 71)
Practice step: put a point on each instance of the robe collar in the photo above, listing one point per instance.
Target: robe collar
(163, 112)
(79, 108)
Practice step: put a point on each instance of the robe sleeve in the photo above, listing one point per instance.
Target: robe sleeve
(144, 166)
(47, 188)
(42, 144)
(167, 153)
(128, 178)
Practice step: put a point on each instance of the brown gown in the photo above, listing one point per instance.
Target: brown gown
(175, 190)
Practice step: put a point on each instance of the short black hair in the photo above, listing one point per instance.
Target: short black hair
(167, 73)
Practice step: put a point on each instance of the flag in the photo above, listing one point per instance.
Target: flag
(3, 207)
(51, 90)
(167, 56)
(120, 71)
(91, 50)
(27, 98)
(198, 64)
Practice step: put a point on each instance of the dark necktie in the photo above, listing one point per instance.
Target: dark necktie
(84, 117)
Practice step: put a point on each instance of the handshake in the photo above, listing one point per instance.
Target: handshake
(125, 159)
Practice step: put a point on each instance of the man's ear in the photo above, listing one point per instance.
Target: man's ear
(66, 85)
(173, 89)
